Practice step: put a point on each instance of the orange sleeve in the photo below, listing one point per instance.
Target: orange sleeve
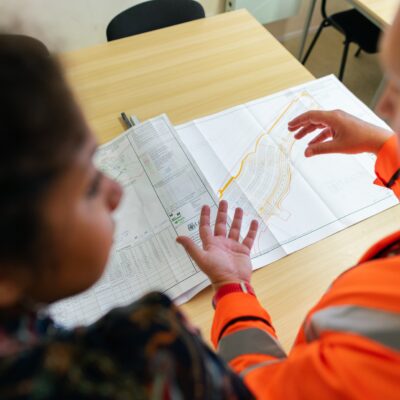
(387, 166)
(243, 334)
(238, 306)
(339, 366)
(348, 346)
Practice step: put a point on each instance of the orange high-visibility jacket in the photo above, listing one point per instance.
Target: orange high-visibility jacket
(349, 344)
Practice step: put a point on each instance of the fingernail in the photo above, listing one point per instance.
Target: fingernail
(308, 152)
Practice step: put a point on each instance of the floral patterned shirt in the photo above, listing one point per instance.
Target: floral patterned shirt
(146, 350)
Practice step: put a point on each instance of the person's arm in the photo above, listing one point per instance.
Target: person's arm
(344, 133)
(340, 133)
(242, 330)
(243, 334)
(387, 166)
(347, 347)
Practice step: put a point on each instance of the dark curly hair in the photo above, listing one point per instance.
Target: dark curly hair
(41, 129)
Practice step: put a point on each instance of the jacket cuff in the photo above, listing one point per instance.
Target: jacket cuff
(388, 161)
(233, 306)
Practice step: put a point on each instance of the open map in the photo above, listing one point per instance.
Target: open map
(249, 158)
(163, 196)
(245, 155)
(263, 173)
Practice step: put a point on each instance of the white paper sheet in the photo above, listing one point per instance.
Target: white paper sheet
(245, 155)
(249, 158)
(163, 195)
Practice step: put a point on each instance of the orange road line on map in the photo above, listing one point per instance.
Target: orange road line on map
(232, 178)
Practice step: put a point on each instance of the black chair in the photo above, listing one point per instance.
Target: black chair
(356, 29)
(151, 15)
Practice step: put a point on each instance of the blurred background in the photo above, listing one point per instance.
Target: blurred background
(70, 25)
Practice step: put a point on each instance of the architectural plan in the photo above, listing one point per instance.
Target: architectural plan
(250, 159)
(245, 155)
(163, 196)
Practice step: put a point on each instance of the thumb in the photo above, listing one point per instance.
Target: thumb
(321, 148)
(191, 247)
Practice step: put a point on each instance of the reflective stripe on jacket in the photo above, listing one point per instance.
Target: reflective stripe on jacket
(349, 344)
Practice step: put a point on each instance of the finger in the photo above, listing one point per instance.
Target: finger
(193, 250)
(204, 228)
(321, 148)
(325, 134)
(306, 130)
(222, 217)
(301, 120)
(298, 121)
(314, 117)
(234, 232)
(251, 234)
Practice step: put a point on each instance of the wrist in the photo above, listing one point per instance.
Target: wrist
(217, 285)
(381, 139)
(233, 287)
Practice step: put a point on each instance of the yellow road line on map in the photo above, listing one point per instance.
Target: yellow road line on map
(269, 200)
(232, 178)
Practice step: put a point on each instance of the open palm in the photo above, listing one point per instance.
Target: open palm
(223, 258)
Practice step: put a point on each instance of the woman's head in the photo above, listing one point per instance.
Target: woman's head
(55, 207)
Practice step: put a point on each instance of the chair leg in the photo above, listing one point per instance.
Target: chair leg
(358, 52)
(344, 59)
(323, 24)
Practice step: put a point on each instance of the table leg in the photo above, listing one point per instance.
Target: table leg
(306, 28)
(378, 93)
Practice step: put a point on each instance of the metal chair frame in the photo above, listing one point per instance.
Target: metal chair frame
(326, 22)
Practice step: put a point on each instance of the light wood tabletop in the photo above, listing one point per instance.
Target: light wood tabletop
(186, 71)
(199, 68)
(382, 12)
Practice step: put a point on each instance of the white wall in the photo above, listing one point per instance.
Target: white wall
(213, 7)
(70, 24)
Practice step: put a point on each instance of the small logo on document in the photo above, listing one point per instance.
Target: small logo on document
(192, 226)
(176, 218)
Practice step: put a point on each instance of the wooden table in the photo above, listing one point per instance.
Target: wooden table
(199, 68)
(186, 71)
(380, 12)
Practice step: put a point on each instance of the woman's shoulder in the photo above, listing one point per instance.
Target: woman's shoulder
(145, 347)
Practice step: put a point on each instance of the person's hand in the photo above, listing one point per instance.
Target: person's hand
(346, 133)
(223, 258)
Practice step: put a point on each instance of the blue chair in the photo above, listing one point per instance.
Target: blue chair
(356, 29)
(152, 15)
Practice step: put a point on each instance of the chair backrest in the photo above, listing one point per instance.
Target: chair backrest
(151, 15)
(323, 9)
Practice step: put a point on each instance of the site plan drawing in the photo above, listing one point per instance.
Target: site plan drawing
(163, 196)
(245, 155)
(249, 158)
